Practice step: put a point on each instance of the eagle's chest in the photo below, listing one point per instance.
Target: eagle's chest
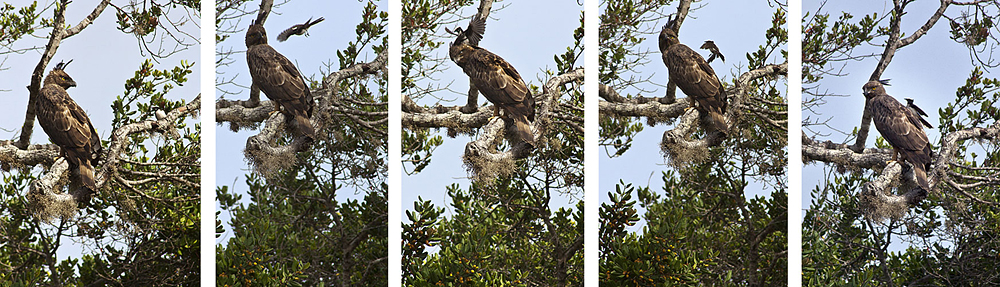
(681, 62)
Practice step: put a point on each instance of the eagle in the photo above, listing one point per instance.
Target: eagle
(68, 126)
(712, 48)
(901, 128)
(279, 79)
(495, 78)
(916, 110)
(298, 29)
(692, 74)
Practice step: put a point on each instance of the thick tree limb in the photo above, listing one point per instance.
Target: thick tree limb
(58, 25)
(45, 192)
(877, 197)
(675, 143)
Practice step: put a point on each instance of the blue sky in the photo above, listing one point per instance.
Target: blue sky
(643, 164)
(928, 71)
(528, 43)
(103, 58)
(308, 53)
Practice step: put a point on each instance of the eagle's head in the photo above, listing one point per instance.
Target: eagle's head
(668, 36)
(256, 35)
(467, 38)
(59, 77)
(875, 88)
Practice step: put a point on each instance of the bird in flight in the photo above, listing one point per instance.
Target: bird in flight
(298, 29)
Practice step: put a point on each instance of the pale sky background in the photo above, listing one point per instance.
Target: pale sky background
(308, 53)
(738, 28)
(928, 71)
(103, 58)
(528, 42)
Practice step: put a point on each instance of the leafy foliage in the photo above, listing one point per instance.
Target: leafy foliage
(949, 239)
(502, 230)
(143, 228)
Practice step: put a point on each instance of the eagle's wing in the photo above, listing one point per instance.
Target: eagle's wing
(496, 79)
(65, 122)
(898, 125)
(694, 75)
(277, 77)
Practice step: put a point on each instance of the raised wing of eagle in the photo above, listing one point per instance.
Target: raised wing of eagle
(68, 126)
(298, 29)
(901, 128)
(496, 79)
(692, 74)
(279, 79)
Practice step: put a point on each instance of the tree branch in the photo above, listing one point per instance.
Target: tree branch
(58, 24)
(877, 198)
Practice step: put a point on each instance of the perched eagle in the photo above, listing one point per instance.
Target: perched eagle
(901, 128)
(689, 71)
(278, 78)
(712, 48)
(917, 111)
(298, 29)
(495, 78)
(68, 126)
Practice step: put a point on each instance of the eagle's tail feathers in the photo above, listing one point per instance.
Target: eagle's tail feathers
(304, 126)
(524, 130)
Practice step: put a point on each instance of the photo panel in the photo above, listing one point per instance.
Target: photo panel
(302, 92)
(101, 153)
(693, 143)
(900, 176)
(492, 143)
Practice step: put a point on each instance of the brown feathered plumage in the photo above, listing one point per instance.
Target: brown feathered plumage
(495, 78)
(902, 129)
(279, 79)
(298, 29)
(68, 126)
(692, 74)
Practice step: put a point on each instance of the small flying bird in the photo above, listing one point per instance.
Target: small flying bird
(68, 126)
(920, 113)
(495, 78)
(298, 29)
(901, 128)
(280, 80)
(711, 47)
(689, 71)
